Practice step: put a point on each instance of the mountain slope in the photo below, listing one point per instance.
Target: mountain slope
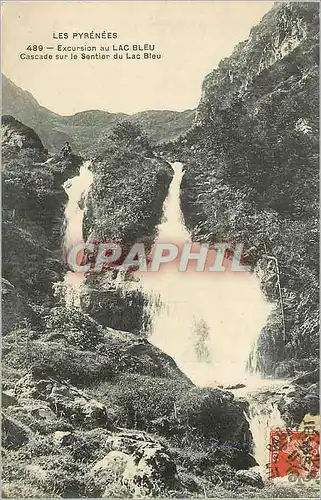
(85, 128)
(252, 171)
(33, 203)
(76, 392)
(23, 106)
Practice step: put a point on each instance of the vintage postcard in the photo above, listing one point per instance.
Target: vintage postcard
(160, 255)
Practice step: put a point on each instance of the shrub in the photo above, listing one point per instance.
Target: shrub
(205, 460)
(81, 330)
(89, 446)
(211, 413)
(21, 489)
(50, 359)
(142, 399)
(63, 476)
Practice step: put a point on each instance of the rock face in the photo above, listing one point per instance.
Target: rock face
(299, 400)
(33, 210)
(249, 477)
(124, 205)
(140, 463)
(282, 30)
(37, 416)
(17, 135)
(14, 434)
(65, 400)
(249, 159)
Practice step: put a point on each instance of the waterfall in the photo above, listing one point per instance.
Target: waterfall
(77, 189)
(263, 415)
(214, 313)
(209, 323)
(262, 419)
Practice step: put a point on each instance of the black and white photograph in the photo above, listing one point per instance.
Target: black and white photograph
(160, 249)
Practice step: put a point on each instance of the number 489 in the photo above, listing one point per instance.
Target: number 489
(35, 47)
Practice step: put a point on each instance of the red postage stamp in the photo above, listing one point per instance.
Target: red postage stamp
(294, 452)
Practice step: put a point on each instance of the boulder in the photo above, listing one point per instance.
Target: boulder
(41, 411)
(8, 399)
(39, 417)
(250, 478)
(63, 438)
(138, 463)
(38, 410)
(149, 470)
(14, 434)
(297, 402)
(214, 413)
(128, 442)
(17, 135)
(308, 378)
(65, 400)
(230, 387)
(114, 462)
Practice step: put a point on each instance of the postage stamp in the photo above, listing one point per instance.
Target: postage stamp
(294, 453)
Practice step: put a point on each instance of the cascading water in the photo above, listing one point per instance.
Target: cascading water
(262, 419)
(209, 322)
(263, 415)
(221, 313)
(77, 189)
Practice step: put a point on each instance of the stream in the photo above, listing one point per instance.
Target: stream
(208, 322)
(77, 189)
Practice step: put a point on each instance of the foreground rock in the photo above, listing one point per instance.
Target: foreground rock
(149, 470)
(64, 400)
(114, 462)
(13, 433)
(8, 399)
(140, 463)
(230, 387)
(250, 478)
(300, 399)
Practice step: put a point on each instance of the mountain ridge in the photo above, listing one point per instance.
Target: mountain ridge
(84, 128)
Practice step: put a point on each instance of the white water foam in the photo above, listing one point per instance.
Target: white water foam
(77, 189)
(227, 310)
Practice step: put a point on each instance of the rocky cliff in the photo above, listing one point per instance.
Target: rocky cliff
(124, 206)
(91, 411)
(280, 51)
(252, 171)
(32, 213)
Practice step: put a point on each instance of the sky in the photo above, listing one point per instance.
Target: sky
(191, 37)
